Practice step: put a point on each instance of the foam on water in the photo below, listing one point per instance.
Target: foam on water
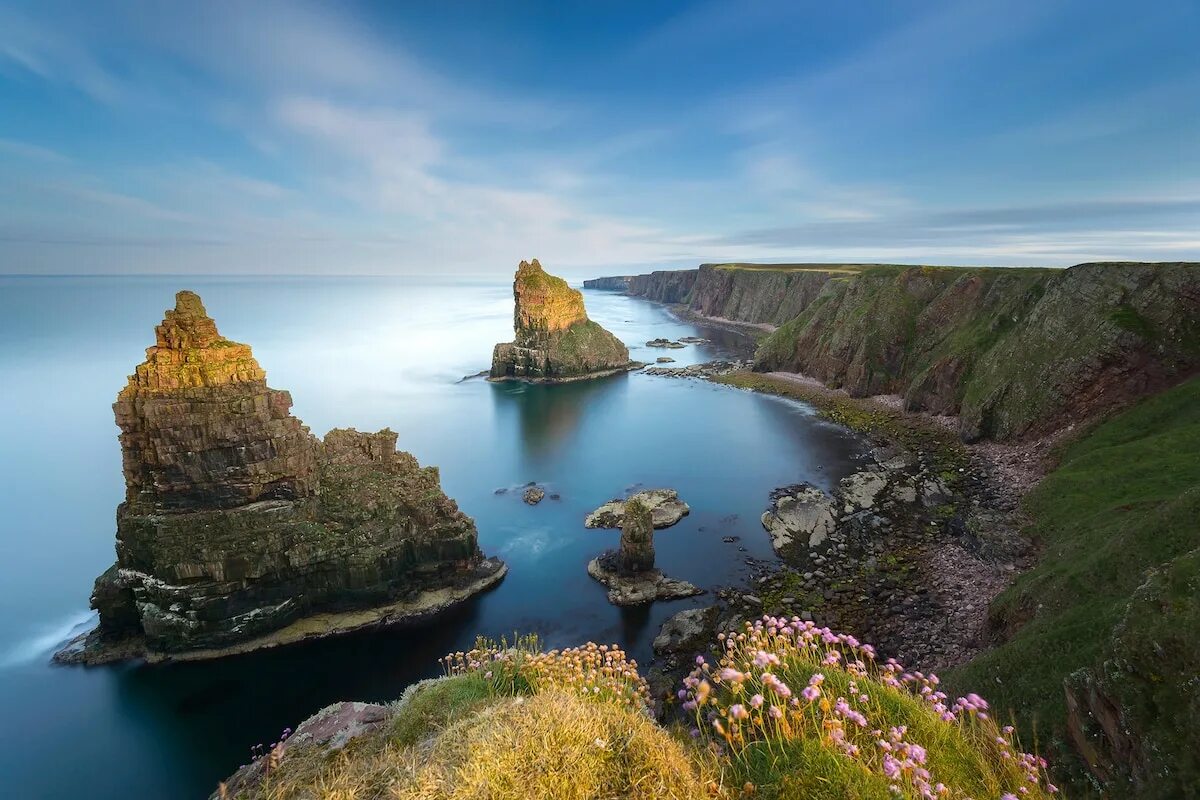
(43, 642)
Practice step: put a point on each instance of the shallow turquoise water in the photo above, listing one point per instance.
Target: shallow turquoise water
(367, 353)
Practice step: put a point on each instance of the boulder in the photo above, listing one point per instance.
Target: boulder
(533, 495)
(667, 343)
(801, 514)
(687, 632)
(555, 341)
(664, 504)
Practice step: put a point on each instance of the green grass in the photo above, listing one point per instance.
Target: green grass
(1125, 499)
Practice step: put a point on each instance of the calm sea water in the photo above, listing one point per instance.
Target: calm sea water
(367, 353)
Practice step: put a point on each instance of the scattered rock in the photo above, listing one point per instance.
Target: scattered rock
(667, 343)
(665, 360)
(533, 495)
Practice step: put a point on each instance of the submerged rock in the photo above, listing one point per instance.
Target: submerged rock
(242, 530)
(664, 504)
(555, 341)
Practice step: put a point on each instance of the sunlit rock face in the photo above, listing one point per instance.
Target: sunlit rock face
(199, 426)
(555, 340)
(238, 524)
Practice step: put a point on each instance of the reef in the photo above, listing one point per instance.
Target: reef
(241, 530)
(555, 341)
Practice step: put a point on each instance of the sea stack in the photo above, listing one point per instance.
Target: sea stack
(242, 530)
(555, 340)
(628, 572)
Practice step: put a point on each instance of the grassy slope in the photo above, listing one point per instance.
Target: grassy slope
(1125, 499)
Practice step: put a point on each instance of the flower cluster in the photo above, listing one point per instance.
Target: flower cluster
(783, 679)
(597, 670)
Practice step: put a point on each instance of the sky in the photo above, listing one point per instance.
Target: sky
(457, 138)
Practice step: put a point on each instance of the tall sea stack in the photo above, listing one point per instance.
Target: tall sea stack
(555, 340)
(240, 529)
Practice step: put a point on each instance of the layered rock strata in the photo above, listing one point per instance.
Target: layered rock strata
(555, 340)
(240, 529)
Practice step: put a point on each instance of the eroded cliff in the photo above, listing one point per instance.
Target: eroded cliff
(240, 529)
(555, 340)
(1013, 352)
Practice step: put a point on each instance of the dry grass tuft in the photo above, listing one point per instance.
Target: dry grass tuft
(556, 746)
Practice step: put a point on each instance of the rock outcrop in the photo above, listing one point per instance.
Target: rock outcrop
(664, 506)
(629, 572)
(240, 529)
(555, 340)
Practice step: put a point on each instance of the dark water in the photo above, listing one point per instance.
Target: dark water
(367, 353)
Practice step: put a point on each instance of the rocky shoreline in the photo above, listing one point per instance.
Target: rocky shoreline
(906, 553)
(92, 649)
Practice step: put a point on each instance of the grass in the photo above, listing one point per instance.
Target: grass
(1124, 500)
(510, 722)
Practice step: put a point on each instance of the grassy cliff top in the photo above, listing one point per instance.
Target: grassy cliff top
(789, 710)
(857, 269)
(1123, 503)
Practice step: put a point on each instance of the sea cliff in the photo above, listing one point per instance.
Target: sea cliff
(241, 530)
(1011, 352)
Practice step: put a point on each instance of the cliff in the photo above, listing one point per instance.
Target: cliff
(240, 529)
(617, 283)
(1013, 352)
(664, 286)
(555, 340)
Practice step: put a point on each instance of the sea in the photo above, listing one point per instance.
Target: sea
(367, 353)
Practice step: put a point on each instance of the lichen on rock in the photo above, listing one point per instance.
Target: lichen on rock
(238, 524)
(555, 340)
(664, 505)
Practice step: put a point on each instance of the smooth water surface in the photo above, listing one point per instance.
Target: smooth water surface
(367, 353)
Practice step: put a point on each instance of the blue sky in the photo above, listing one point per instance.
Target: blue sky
(366, 138)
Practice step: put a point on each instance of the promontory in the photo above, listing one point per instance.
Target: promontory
(241, 530)
(555, 341)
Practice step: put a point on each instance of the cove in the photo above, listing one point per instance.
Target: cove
(371, 353)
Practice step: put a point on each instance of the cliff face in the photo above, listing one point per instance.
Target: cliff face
(616, 283)
(664, 286)
(555, 340)
(237, 522)
(1012, 351)
(765, 295)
